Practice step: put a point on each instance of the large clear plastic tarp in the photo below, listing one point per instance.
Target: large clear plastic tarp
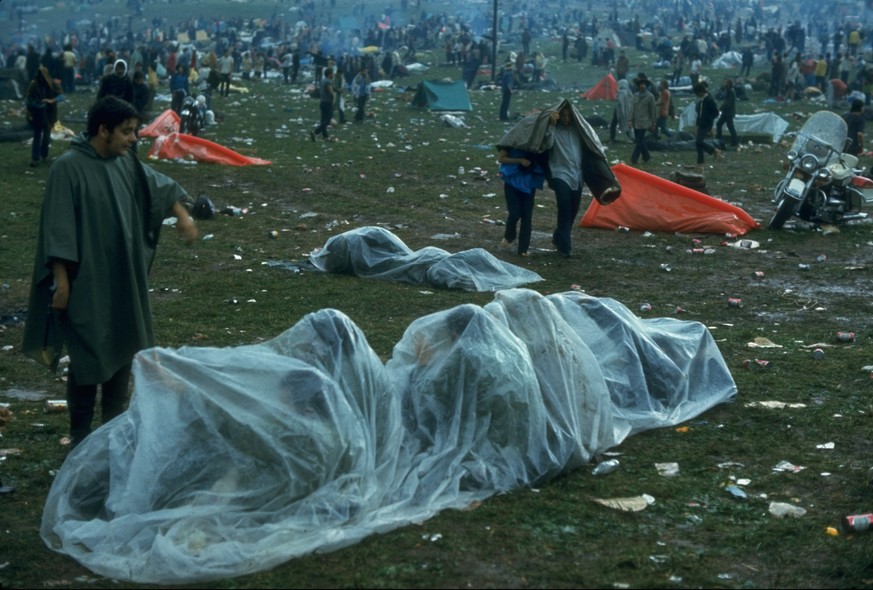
(374, 252)
(233, 460)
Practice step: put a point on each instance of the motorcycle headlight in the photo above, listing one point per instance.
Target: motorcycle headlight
(809, 162)
(792, 155)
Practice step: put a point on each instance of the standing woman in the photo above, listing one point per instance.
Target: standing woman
(522, 176)
(42, 112)
(707, 113)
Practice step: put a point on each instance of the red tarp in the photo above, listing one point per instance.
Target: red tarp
(180, 145)
(651, 203)
(164, 124)
(606, 89)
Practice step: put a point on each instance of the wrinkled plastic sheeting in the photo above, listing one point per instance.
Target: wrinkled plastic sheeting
(374, 252)
(234, 460)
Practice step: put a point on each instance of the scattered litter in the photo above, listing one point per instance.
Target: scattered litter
(786, 466)
(632, 504)
(736, 491)
(667, 469)
(432, 538)
(605, 467)
(858, 522)
(761, 342)
(832, 532)
(725, 464)
(775, 405)
(782, 509)
(827, 446)
(745, 244)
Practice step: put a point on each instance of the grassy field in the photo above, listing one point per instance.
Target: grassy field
(223, 292)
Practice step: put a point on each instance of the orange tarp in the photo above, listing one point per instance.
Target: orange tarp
(186, 147)
(164, 124)
(651, 203)
(606, 89)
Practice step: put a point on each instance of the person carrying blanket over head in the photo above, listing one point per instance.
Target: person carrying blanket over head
(574, 156)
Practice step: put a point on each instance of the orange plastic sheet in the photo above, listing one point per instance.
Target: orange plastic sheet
(187, 147)
(651, 203)
(606, 89)
(164, 124)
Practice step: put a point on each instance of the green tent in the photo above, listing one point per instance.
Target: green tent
(439, 95)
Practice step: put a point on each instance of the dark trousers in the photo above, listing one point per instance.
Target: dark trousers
(613, 125)
(326, 116)
(224, 85)
(42, 136)
(81, 400)
(728, 121)
(662, 128)
(361, 102)
(519, 208)
(701, 145)
(568, 201)
(640, 147)
(504, 105)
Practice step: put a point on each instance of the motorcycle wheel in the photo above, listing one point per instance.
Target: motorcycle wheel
(779, 188)
(784, 211)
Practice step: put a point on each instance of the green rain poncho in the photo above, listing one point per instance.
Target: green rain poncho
(102, 216)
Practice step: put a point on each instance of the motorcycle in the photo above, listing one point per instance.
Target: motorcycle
(191, 117)
(822, 185)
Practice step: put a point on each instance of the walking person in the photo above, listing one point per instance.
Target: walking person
(728, 112)
(325, 104)
(574, 157)
(101, 215)
(707, 113)
(621, 113)
(665, 110)
(339, 84)
(522, 175)
(42, 113)
(361, 92)
(225, 71)
(855, 122)
(643, 117)
(507, 82)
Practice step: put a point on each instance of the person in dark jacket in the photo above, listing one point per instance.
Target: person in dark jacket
(707, 113)
(855, 121)
(42, 113)
(728, 112)
(117, 83)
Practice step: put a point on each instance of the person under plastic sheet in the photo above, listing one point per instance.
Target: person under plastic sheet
(238, 451)
(375, 252)
(257, 454)
(659, 371)
(580, 418)
(329, 341)
(470, 403)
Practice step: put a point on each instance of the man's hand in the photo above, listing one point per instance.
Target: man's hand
(184, 223)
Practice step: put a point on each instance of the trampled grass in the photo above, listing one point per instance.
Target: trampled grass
(226, 291)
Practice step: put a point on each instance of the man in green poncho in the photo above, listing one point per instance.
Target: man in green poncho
(101, 217)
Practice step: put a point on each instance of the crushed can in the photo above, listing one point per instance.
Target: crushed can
(55, 406)
(858, 522)
(818, 354)
(734, 302)
(605, 467)
(846, 336)
(758, 274)
(646, 307)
